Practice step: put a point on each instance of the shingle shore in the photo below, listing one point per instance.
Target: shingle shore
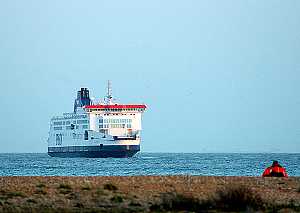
(134, 193)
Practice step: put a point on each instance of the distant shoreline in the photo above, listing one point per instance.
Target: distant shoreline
(140, 193)
(174, 153)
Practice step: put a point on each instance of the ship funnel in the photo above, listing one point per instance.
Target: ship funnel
(83, 99)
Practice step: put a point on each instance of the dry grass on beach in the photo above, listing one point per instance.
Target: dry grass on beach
(149, 194)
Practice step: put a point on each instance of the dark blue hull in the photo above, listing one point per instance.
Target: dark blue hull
(106, 151)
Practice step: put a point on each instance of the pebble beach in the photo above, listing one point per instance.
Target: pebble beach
(147, 193)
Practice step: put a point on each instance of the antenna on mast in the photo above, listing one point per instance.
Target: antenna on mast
(109, 93)
(109, 90)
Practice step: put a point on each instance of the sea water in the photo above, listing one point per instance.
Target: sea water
(208, 164)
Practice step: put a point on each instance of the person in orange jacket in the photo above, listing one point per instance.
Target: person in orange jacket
(276, 170)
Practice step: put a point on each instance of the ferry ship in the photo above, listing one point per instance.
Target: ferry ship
(99, 130)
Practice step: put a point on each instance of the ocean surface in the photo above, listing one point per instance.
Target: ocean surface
(40, 164)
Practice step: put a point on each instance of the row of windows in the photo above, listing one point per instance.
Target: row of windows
(106, 126)
(117, 125)
(57, 123)
(68, 134)
(77, 136)
(70, 116)
(110, 114)
(82, 121)
(71, 128)
(111, 120)
(117, 110)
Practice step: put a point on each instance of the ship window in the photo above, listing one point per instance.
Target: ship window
(82, 121)
(85, 127)
(68, 127)
(86, 135)
(57, 123)
(58, 128)
(128, 125)
(117, 125)
(59, 139)
(68, 122)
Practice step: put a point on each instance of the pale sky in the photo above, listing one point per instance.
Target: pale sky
(217, 76)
